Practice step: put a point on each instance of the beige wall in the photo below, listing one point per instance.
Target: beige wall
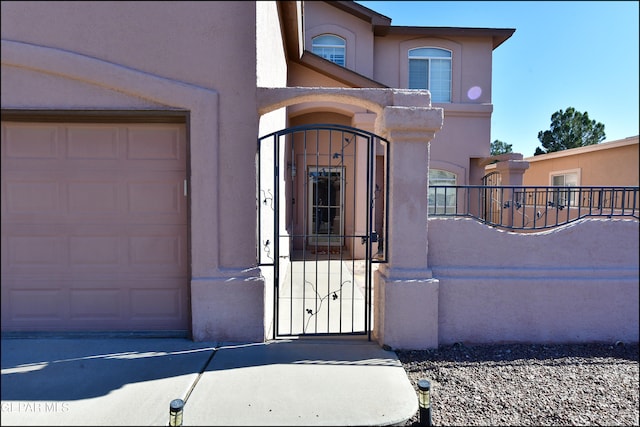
(612, 163)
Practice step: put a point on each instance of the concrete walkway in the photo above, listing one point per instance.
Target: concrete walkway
(131, 381)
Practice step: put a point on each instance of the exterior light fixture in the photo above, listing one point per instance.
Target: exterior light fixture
(424, 401)
(175, 412)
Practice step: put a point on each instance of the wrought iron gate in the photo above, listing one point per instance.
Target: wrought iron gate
(491, 197)
(321, 198)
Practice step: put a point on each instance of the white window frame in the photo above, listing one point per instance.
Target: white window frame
(414, 55)
(449, 205)
(330, 51)
(561, 198)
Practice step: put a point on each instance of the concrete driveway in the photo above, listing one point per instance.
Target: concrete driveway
(131, 381)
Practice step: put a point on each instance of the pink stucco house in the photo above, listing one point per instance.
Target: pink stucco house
(213, 169)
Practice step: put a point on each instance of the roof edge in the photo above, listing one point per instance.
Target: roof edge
(337, 72)
(379, 22)
(498, 35)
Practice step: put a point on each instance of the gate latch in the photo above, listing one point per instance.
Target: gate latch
(374, 238)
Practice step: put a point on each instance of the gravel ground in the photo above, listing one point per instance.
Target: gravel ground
(529, 385)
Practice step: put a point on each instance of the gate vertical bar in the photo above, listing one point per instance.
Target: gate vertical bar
(276, 225)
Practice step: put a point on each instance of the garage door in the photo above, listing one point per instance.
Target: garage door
(94, 227)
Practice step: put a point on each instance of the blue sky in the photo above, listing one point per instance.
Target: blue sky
(581, 54)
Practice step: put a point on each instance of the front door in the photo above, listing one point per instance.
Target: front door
(325, 201)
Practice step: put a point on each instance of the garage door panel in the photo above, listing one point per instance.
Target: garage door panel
(157, 253)
(23, 189)
(33, 253)
(156, 303)
(156, 198)
(88, 304)
(27, 141)
(154, 144)
(96, 304)
(95, 250)
(32, 197)
(91, 197)
(94, 227)
(93, 143)
(51, 199)
(36, 304)
(113, 250)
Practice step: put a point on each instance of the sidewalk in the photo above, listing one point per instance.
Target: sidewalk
(131, 381)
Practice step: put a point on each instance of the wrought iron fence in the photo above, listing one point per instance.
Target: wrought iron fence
(532, 207)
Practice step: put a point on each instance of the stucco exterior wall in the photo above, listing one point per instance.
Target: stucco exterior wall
(471, 64)
(462, 138)
(466, 131)
(609, 163)
(321, 18)
(141, 37)
(577, 283)
(124, 55)
(271, 63)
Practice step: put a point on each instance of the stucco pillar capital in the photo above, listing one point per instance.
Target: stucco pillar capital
(364, 121)
(512, 171)
(515, 165)
(411, 98)
(410, 124)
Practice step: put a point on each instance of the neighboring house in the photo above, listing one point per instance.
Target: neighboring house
(610, 163)
(129, 178)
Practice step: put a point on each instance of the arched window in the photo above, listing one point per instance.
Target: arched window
(330, 47)
(441, 200)
(430, 68)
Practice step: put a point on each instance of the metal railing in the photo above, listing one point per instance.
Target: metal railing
(532, 207)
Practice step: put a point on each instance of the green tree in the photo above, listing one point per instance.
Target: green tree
(500, 147)
(570, 129)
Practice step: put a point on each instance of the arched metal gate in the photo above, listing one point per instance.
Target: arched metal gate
(321, 226)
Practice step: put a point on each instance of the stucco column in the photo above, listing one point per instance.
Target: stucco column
(406, 294)
(511, 174)
(512, 171)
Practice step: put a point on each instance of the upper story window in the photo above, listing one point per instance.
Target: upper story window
(430, 68)
(330, 47)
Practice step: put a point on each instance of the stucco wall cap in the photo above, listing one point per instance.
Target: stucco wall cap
(373, 99)
(412, 98)
(417, 119)
(500, 158)
(512, 165)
